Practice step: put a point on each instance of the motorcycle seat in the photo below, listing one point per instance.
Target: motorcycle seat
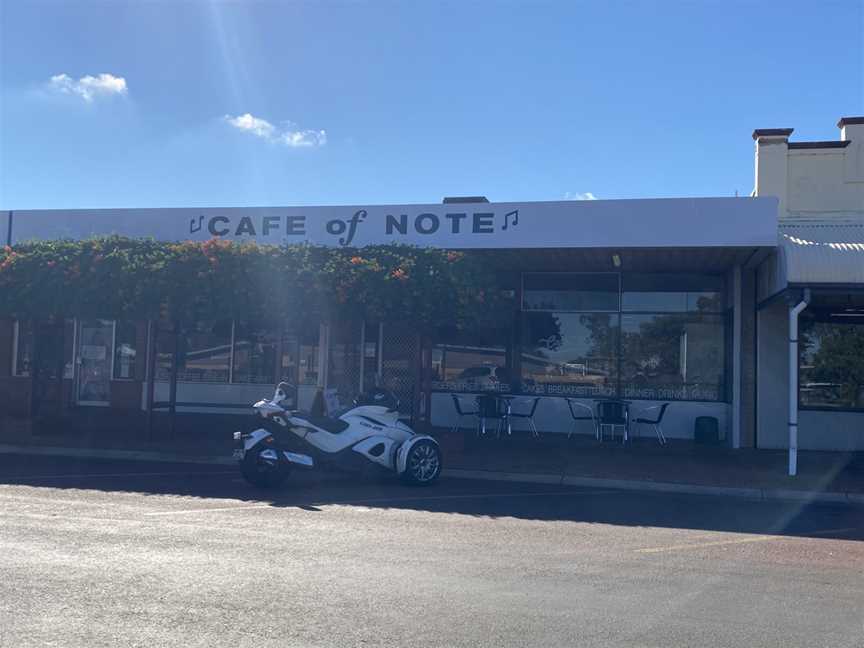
(332, 425)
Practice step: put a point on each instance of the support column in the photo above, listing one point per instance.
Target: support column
(736, 357)
(172, 385)
(150, 369)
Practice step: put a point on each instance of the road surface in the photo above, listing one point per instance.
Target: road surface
(109, 553)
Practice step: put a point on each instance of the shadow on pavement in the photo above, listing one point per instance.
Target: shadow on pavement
(223, 485)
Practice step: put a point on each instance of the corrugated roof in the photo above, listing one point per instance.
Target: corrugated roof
(830, 250)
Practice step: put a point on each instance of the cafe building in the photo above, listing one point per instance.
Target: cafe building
(689, 303)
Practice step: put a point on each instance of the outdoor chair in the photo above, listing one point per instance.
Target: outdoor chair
(584, 413)
(612, 414)
(491, 407)
(655, 422)
(527, 415)
(461, 413)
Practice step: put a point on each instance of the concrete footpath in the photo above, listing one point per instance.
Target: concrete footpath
(464, 470)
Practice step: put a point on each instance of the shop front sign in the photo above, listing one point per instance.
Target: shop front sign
(704, 222)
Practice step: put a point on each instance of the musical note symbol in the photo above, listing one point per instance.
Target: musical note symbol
(515, 215)
(193, 227)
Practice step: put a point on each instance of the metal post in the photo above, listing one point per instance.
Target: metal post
(362, 354)
(737, 360)
(172, 389)
(150, 368)
(380, 353)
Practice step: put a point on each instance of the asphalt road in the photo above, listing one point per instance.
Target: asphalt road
(141, 554)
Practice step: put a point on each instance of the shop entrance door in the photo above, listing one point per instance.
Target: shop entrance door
(95, 356)
(359, 358)
(49, 367)
(400, 366)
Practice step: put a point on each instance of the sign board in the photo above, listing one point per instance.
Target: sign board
(677, 222)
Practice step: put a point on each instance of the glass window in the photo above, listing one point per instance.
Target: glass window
(254, 354)
(95, 355)
(307, 361)
(69, 348)
(567, 291)
(672, 293)
(23, 348)
(165, 341)
(343, 372)
(125, 350)
(672, 356)
(470, 361)
(831, 371)
(289, 358)
(205, 352)
(570, 353)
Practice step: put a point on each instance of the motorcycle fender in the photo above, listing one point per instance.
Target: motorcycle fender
(402, 453)
(255, 438)
(383, 458)
(299, 459)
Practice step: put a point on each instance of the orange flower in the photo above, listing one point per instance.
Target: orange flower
(399, 274)
(356, 260)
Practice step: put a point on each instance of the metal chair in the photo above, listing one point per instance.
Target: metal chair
(655, 422)
(612, 414)
(528, 416)
(489, 406)
(460, 413)
(580, 416)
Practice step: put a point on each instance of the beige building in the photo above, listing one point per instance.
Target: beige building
(810, 386)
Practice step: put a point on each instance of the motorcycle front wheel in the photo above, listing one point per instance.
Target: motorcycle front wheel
(423, 463)
(261, 467)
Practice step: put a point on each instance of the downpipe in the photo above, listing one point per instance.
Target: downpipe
(794, 312)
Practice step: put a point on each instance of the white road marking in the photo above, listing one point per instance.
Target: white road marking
(761, 538)
(384, 500)
(12, 478)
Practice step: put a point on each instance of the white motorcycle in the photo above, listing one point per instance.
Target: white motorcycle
(368, 434)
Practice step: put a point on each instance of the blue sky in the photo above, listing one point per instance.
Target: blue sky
(244, 103)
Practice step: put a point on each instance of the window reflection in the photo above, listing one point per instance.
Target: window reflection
(125, 350)
(831, 372)
(569, 353)
(570, 291)
(471, 361)
(672, 357)
(254, 354)
(672, 293)
(205, 352)
(23, 348)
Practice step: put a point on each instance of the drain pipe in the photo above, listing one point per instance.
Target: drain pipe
(794, 311)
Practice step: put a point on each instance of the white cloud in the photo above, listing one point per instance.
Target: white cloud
(286, 136)
(571, 195)
(260, 127)
(89, 87)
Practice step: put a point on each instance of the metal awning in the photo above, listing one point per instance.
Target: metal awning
(827, 251)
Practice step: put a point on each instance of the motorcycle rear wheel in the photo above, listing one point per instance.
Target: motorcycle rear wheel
(266, 471)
